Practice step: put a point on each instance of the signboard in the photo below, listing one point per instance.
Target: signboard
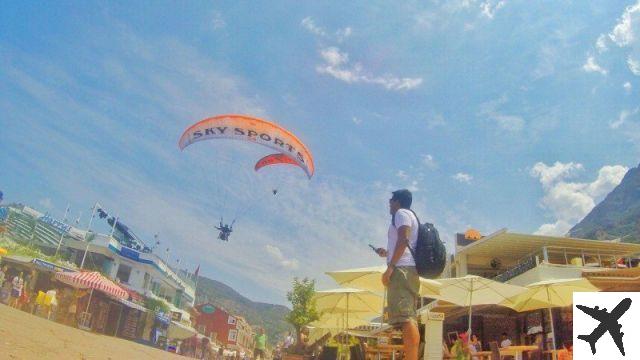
(208, 309)
(50, 266)
(59, 226)
(176, 316)
(129, 253)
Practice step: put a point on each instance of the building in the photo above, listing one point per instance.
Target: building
(523, 259)
(230, 331)
(135, 266)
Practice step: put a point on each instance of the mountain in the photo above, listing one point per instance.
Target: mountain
(617, 216)
(271, 317)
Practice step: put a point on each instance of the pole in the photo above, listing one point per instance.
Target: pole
(470, 309)
(93, 214)
(64, 220)
(553, 331)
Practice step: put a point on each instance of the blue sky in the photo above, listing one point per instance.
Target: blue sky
(497, 114)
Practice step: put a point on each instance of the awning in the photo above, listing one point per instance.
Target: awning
(92, 280)
(132, 305)
(179, 331)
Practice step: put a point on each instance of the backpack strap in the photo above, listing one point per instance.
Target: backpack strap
(393, 222)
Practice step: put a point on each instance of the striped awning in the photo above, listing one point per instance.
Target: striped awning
(92, 280)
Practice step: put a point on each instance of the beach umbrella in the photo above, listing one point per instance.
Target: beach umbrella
(473, 290)
(92, 280)
(351, 300)
(549, 294)
(370, 278)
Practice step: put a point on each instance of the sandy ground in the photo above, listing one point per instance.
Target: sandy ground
(25, 336)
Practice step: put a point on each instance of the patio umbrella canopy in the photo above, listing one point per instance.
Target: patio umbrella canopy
(473, 290)
(370, 278)
(549, 294)
(349, 302)
(92, 280)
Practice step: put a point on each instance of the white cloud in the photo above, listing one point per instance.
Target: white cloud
(568, 202)
(601, 43)
(591, 66)
(551, 174)
(217, 21)
(489, 8)
(336, 64)
(625, 31)
(311, 26)
(343, 34)
(429, 161)
(463, 178)
(46, 203)
(510, 123)
(356, 120)
(340, 35)
(277, 255)
(402, 175)
(627, 87)
(435, 120)
(622, 118)
(634, 65)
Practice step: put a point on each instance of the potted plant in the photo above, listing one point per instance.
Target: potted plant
(302, 314)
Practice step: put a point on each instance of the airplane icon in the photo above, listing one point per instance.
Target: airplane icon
(608, 322)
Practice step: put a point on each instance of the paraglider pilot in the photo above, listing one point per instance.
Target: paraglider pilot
(225, 231)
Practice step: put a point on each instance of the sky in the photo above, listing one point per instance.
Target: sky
(496, 114)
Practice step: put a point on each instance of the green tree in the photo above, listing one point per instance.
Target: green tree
(303, 305)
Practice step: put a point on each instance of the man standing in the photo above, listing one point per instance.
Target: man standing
(261, 345)
(401, 278)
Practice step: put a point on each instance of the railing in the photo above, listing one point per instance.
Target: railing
(525, 264)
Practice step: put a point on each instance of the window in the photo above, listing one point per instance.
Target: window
(233, 334)
(232, 320)
(124, 271)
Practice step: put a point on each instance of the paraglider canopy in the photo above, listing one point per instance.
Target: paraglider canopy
(246, 128)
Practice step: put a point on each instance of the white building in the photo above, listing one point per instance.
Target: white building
(141, 271)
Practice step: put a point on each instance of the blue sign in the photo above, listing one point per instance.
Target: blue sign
(58, 225)
(50, 266)
(4, 212)
(129, 253)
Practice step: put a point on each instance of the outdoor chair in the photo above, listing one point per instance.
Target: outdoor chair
(495, 350)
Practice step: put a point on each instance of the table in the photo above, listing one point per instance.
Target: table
(385, 349)
(516, 351)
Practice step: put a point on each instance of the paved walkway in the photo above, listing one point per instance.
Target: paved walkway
(25, 336)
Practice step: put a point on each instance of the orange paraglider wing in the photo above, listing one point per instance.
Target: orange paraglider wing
(274, 159)
(247, 128)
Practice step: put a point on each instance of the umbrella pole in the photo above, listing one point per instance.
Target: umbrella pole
(553, 330)
(470, 310)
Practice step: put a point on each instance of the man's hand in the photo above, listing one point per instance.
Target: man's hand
(382, 252)
(386, 277)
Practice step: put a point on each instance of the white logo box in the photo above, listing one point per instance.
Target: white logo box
(584, 324)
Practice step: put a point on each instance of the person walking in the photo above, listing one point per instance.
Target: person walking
(261, 345)
(401, 277)
(17, 285)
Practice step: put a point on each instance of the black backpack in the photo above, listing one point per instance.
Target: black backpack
(430, 254)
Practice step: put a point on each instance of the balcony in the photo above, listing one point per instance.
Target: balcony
(569, 258)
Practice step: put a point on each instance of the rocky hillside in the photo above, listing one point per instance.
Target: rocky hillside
(269, 316)
(617, 216)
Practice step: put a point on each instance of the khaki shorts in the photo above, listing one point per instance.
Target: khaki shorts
(402, 295)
